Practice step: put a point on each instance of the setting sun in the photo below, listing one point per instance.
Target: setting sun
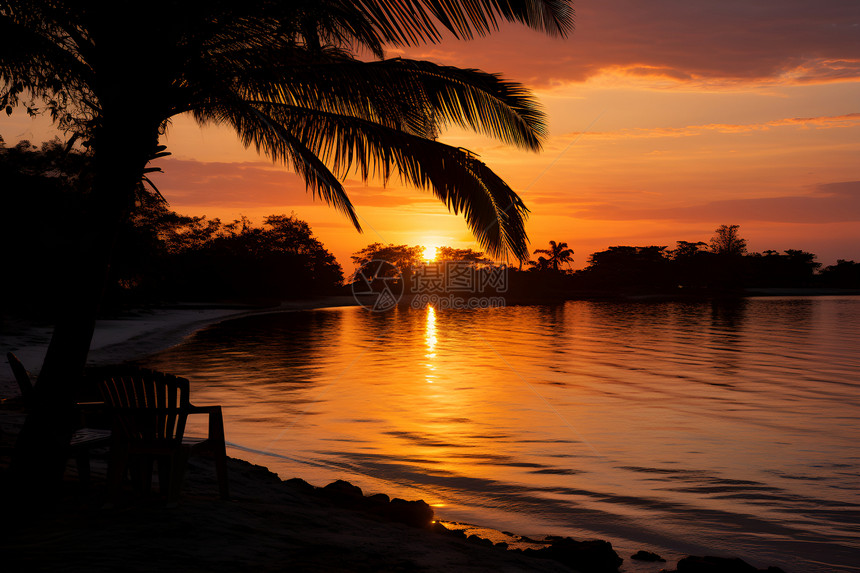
(430, 253)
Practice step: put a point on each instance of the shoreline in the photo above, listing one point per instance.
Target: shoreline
(134, 336)
(138, 333)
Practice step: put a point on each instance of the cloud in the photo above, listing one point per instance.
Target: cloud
(201, 184)
(766, 41)
(837, 202)
(822, 122)
(222, 184)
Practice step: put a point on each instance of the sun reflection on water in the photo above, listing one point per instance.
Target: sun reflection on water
(430, 341)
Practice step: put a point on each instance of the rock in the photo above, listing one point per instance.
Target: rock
(343, 487)
(300, 484)
(415, 513)
(477, 540)
(646, 556)
(379, 497)
(593, 556)
(501, 545)
(439, 528)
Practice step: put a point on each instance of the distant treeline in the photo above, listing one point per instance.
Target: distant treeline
(721, 267)
(694, 268)
(161, 256)
(166, 257)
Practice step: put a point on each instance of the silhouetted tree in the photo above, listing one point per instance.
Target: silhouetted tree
(728, 267)
(403, 257)
(284, 75)
(795, 268)
(280, 259)
(462, 255)
(629, 268)
(42, 201)
(727, 241)
(558, 254)
(692, 265)
(844, 274)
(540, 265)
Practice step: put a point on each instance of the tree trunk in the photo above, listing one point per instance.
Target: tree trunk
(122, 150)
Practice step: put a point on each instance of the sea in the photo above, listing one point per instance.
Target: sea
(725, 427)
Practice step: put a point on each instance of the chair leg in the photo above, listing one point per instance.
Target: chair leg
(82, 459)
(177, 473)
(141, 473)
(165, 468)
(116, 472)
(221, 470)
(218, 449)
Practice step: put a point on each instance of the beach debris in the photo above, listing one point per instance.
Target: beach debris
(711, 564)
(643, 555)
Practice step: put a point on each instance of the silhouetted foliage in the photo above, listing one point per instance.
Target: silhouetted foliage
(43, 199)
(728, 267)
(280, 259)
(794, 268)
(403, 257)
(462, 255)
(692, 265)
(727, 241)
(844, 274)
(628, 268)
(557, 255)
(166, 256)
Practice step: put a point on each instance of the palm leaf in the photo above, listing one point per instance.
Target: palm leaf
(493, 211)
(270, 137)
(415, 21)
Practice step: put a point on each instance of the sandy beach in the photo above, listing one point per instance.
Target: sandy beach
(268, 524)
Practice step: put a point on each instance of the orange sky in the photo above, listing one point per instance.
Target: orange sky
(667, 120)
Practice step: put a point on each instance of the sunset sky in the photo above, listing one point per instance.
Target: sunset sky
(667, 119)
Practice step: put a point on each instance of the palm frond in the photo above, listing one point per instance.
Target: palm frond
(272, 138)
(416, 96)
(493, 211)
(415, 21)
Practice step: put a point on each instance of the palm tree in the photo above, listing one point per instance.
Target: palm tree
(558, 254)
(286, 77)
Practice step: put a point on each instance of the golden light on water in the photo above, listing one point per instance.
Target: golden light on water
(430, 343)
(430, 331)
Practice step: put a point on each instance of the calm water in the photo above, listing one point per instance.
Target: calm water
(725, 428)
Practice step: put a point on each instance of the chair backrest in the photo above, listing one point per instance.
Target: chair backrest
(25, 383)
(147, 406)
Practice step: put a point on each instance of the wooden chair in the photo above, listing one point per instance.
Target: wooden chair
(150, 410)
(83, 439)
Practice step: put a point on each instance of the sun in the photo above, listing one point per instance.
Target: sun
(430, 253)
